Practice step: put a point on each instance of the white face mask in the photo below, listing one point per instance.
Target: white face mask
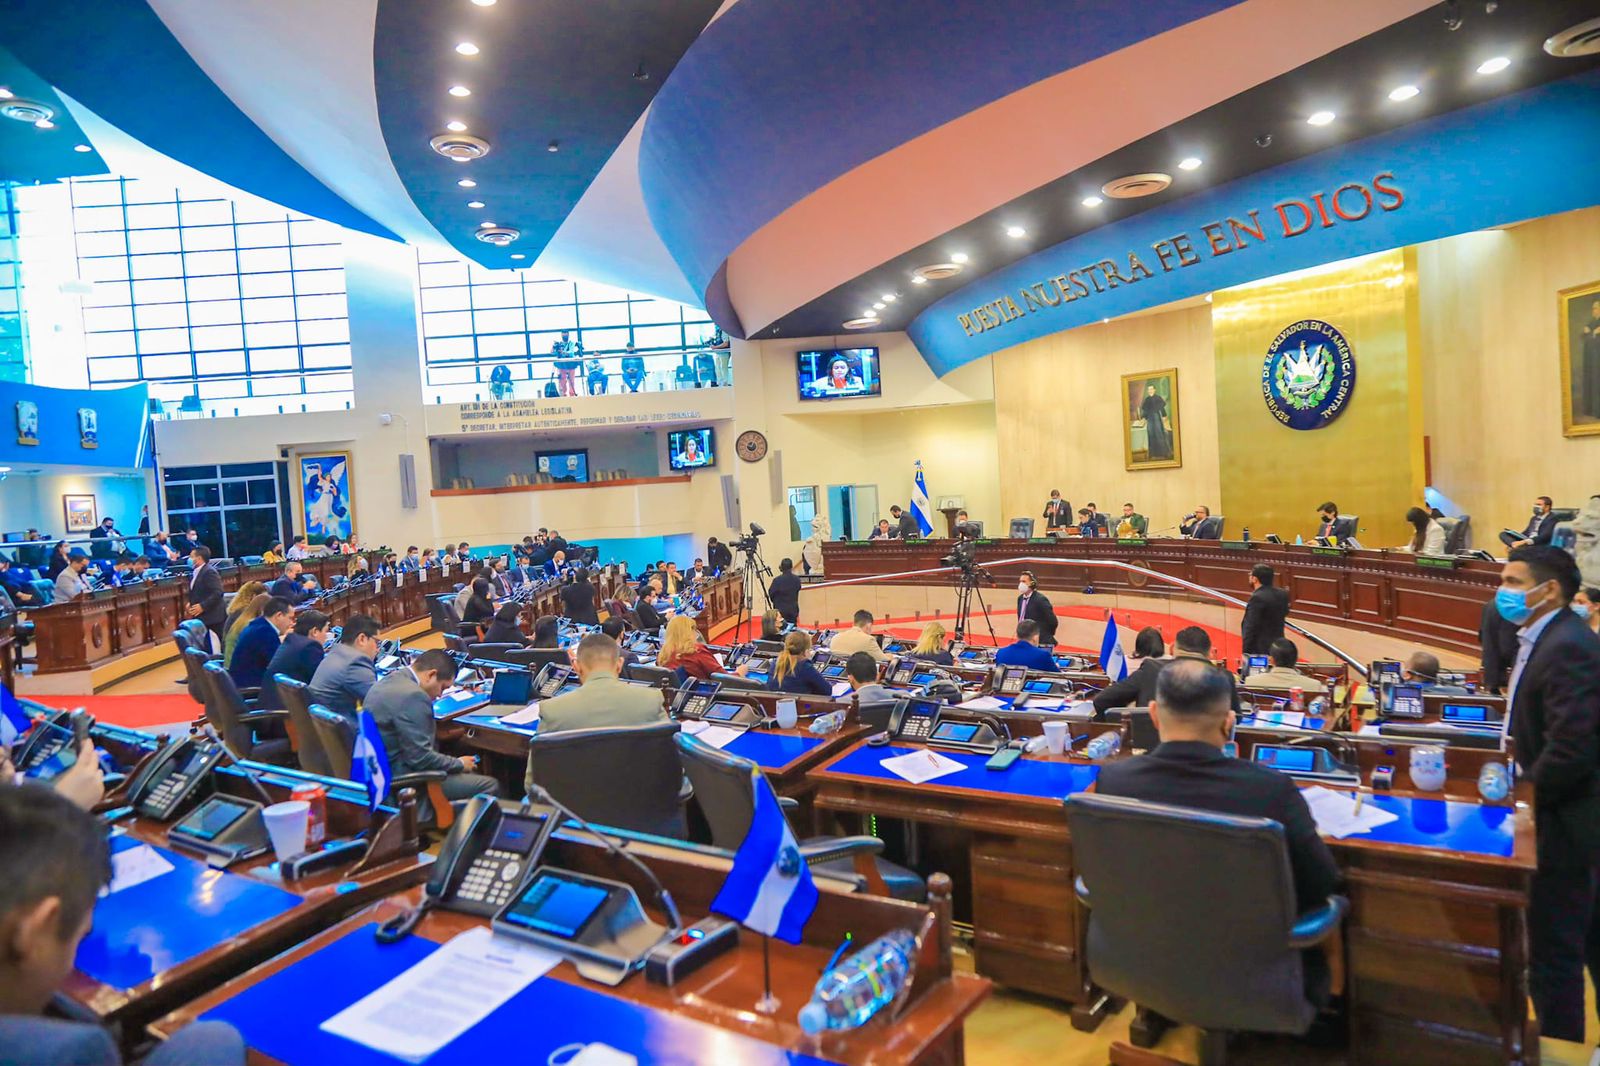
(1024, 588)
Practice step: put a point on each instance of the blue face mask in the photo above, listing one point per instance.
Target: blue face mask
(1513, 605)
(1580, 609)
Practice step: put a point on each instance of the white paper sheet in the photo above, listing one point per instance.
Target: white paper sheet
(920, 766)
(443, 996)
(841, 688)
(527, 716)
(1336, 815)
(135, 866)
(983, 703)
(1287, 719)
(718, 736)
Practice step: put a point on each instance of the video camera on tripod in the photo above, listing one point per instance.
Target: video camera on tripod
(964, 552)
(749, 542)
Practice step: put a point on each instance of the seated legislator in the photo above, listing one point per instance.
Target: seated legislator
(546, 632)
(784, 592)
(1429, 536)
(1190, 526)
(346, 673)
(616, 628)
(1139, 687)
(246, 607)
(794, 671)
(72, 581)
(1026, 650)
(480, 605)
(1132, 523)
(1423, 669)
(858, 638)
(401, 703)
(1284, 654)
(577, 599)
(1087, 526)
(861, 670)
(1328, 520)
(681, 650)
(650, 619)
(57, 861)
(290, 585)
(1541, 527)
(1188, 769)
(1264, 615)
(771, 625)
(470, 589)
(602, 701)
(506, 627)
(21, 590)
(881, 531)
(259, 641)
(297, 658)
(931, 648)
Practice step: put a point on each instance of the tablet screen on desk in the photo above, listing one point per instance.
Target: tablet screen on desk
(1039, 687)
(212, 818)
(970, 653)
(1464, 712)
(959, 732)
(516, 834)
(836, 670)
(556, 906)
(723, 712)
(1290, 760)
(512, 686)
(924, 679)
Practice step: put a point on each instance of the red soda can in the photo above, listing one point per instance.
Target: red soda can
(316, 797)
(1297, 699)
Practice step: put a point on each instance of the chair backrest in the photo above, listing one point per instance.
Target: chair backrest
(1207, 944)
(537, 659)
(874, 714)
(1458, 535)
(199, 635)
(581, 768)
(729, 680)
(337, 734)
(437, 615)
(455, 644)
(651, 675)
(721, 787)
(225, 709)
(771, 647)
(1211, 528)
(495, 653)
(1021, 528)
(1346, 525)
(308, 744)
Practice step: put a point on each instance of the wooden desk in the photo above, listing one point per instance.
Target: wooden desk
(1436, 936)
(718, 998)
(1385, 592)
(157, 944)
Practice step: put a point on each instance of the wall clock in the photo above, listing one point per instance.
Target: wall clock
(751, 446)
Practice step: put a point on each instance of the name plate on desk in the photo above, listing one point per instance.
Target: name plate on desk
(1336, 553)
(1438, 562)
(1133, 542)
(1041, 540)
(1234, 545)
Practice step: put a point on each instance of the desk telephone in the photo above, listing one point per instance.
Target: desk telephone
(173, 777)
(550, 680)
(914, 719)
(486, 858)
(905, 671)
(695, 699)
(52, 745)
(1008, 680)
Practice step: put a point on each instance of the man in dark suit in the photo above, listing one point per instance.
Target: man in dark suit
(1139, 687)
(718, 556)
(1188, 769)
(905, 523)
(289, 585)
(1265, 613)
(1497, 641)
(297, 658)
(577, 600)
(1328, 520)
(1541, 527)
(205, 594)
(1035, 606)
(784, 592)
(1057, 512)
(1554, 695)
(401, 703)
(259, 642)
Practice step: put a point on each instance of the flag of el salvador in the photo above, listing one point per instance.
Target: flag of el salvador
(369, 761)
(769, 888)
(1112, 661)
(920, 508)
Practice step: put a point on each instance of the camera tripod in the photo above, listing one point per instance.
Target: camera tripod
(966, 591)
(757, 574)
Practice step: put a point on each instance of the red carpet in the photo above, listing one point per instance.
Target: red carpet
(131, 712)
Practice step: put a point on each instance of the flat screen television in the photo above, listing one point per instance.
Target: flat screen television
(690, 449)
(838, 373)
(568, 465)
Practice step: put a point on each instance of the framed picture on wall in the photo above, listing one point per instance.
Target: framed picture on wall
(326, 507)
(1580, 360)
(80, 512)
(1150, 431)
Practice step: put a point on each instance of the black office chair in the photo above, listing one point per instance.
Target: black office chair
(494, 653)
(731, 680)
(303, 736)
(767, 647)
(455, 644)
(1345, 526)
(874, 714)
(536, 659)
(658, 676)
(192, 664)
(1210, 528)
(582, 768)
(1216, 942)
(236, 721)
(337, 735)
(1458, 534)
(722, 786)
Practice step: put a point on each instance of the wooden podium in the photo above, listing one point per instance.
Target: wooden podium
(950, 520)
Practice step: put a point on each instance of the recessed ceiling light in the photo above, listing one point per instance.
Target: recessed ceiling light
(869, 313)
(1190, 163)
(553, 146)
(474, 204)
(918, 279)
(1403, 92)
(5, 94)
(467, 183)
(467, 48)
(456, 126)
(518, 255)
(1016, 231)
(82, 148)
(460, 90)
(1208, 297)
(889, 297)
(1493, 66)
(1321, 118)
(1092, 201)
(958, 257)
(879, 306)
(45, 124)
(485, 224)
(484, 3)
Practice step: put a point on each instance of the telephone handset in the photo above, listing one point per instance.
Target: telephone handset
(486, 858)
(1008, 680)
(914, 719)
(552, 677)
(52, 745)
(173, 776)
(695, 699)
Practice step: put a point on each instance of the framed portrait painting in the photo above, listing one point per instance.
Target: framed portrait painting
(1579, 325)
(325, 503)
(80, 512)
(1150, 430)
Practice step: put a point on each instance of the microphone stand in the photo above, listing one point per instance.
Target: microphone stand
(539, 794)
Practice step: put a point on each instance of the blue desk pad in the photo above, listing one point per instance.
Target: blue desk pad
(494, 721)
(1027, 777)
(1451, 825)
(771, 750)
(280, 1016)
(445, 706)
(149, 928)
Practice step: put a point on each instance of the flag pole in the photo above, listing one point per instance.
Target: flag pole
(768, 1003)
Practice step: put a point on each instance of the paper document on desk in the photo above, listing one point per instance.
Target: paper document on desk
(443, 996)
(135, 866)
(1288, 719)
(718, 736)
(983, 703)
(1336, 814)
(527, 716)
(920, 766)
(841, 688)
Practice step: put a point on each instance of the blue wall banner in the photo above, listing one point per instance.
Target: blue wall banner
(1517, 157)
(77, 427)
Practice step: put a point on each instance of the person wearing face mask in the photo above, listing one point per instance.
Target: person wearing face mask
(1539, 530)
(1035, 606)
(1586, 605)
(1554, 702)
(1057, 513)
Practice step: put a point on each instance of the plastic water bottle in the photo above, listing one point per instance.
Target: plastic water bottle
(861, 984)
(1104, 746)
(827, 723)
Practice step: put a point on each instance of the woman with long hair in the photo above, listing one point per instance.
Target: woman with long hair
(273, 555)
(681, 650)
(59, 561)
(546, 632)
(480, 605)
(795, 672)
(253, 604)
(771, 626)
(1429, 536)
(930, 647)
(506, 627)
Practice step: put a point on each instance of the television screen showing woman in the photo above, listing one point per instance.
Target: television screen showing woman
(688, 449)
(836, 373)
